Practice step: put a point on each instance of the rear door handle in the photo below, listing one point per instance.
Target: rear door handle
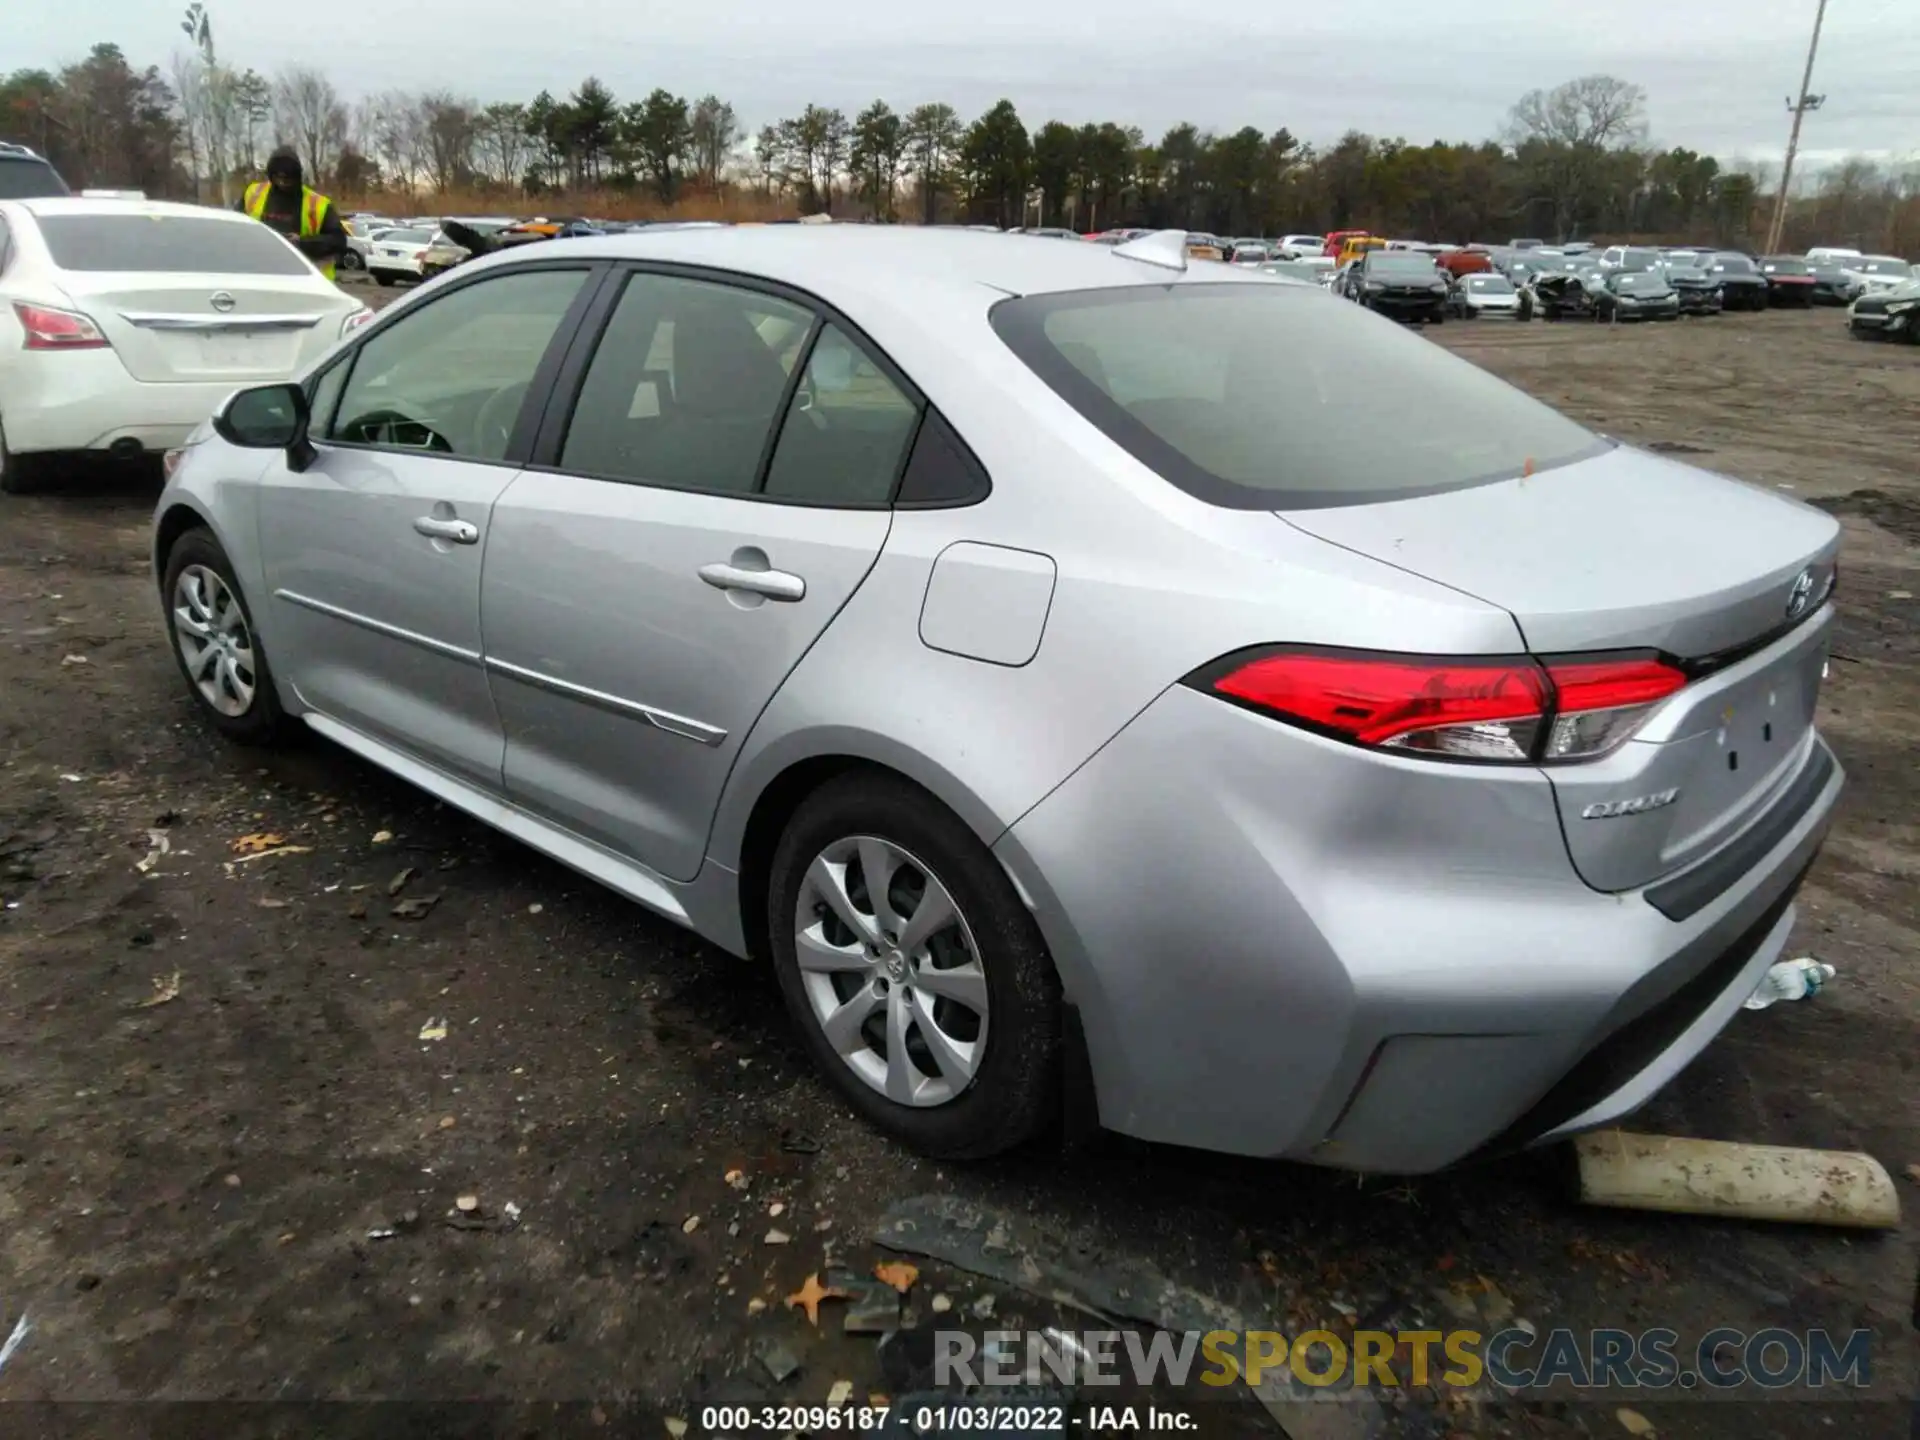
(774, 584)
(460, 532)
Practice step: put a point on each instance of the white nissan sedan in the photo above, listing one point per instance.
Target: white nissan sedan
(124, 323)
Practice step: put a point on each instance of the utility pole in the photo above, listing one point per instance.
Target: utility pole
(1799, 111)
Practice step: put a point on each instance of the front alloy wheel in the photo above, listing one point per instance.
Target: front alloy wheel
(891, 970)
(216, 647)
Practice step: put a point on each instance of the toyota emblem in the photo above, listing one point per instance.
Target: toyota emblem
(1801, 595)
(221, 301)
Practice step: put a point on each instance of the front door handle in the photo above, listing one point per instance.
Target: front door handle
(460, 532)
(774, 584)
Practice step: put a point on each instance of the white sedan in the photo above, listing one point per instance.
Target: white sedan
(400, 254)
(123, 324)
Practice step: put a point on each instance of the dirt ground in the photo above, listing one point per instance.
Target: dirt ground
(190, 1190)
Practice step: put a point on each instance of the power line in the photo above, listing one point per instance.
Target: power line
(1799, 110)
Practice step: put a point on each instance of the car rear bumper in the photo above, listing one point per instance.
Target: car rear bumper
(87, 401)
(1280, 945)
(394, 266)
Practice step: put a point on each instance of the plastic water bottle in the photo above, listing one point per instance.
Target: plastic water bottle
(1790, 980)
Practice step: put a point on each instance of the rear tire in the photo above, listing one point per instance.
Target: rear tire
(215, 644)
(383, 278)
(352, 261)
(994, 1011)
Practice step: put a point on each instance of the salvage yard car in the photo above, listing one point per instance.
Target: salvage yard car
(1790, 281)
(1832, 285)
(974, 633)
(1697, 291)
(396, 255)
(1887, 314)
(1491, 297)
(1635, 295)
(1397, 283)
(123, 323)
(1742, 286)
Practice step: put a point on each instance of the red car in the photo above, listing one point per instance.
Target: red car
(1790, 280)
(1337, 238)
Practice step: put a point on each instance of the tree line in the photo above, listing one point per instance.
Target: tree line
(1571, 161)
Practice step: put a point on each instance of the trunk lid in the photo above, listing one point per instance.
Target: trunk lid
(1631, 551)
(197, 328)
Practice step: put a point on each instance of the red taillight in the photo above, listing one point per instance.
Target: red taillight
(51, 329)
(1508, 708)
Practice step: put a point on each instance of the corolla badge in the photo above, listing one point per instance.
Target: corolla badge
(1639, 805)
(1801, 595)
(221, 301)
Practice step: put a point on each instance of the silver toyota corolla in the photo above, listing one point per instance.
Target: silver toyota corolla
(1376, 769)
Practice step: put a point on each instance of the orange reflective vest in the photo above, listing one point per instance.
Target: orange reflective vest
(313, 210)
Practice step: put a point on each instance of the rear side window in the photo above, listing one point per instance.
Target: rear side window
(28, 179)
(846, 431)
(176, 244)
(1181, 377)
(686, 385)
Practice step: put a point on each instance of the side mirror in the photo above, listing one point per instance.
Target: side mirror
(265, 417)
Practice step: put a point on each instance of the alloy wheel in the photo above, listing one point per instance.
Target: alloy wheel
(891, 971)
(215, 643)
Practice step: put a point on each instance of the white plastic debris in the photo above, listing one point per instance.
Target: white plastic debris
(14, 1341)
(1790, 980)
(1752, 1182)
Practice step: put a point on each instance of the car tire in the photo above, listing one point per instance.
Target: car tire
(19, 474)
(235, 690)
(352, 261)
(382, 278)
(999, 1089)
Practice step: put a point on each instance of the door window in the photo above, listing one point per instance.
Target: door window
(451, 377)
(846, 431)
(686, 385)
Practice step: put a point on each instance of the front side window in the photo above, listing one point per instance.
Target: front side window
(1180, 377)
(686, 385)
(451, 376)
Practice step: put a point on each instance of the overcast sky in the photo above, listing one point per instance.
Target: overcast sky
(1717, 72)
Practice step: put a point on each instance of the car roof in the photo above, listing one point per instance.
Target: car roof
(79, 205)
(893, 264)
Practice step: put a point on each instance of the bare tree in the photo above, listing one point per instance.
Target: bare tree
(1595, 110)
(447, 128)
(310, 116)
(715, 132)
(503, 144)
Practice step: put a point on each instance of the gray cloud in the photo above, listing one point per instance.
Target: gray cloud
(1716, 71)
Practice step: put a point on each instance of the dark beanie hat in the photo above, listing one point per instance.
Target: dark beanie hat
(284, 161)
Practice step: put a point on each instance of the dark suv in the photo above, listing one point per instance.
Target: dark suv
(26, 176)
(1401, 283)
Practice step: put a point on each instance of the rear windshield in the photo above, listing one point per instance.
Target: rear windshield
(1733, 264)
(1181, 378)
(1884, 267)
(1787, 267)
(405, 237)
(1634, 282)
(177, 244)
(24, 179)
(1490, 284)
(1401, 264)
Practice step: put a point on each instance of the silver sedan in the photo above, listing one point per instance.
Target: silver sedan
(1377, 770)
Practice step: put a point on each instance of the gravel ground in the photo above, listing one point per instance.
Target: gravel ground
(189, 1189)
